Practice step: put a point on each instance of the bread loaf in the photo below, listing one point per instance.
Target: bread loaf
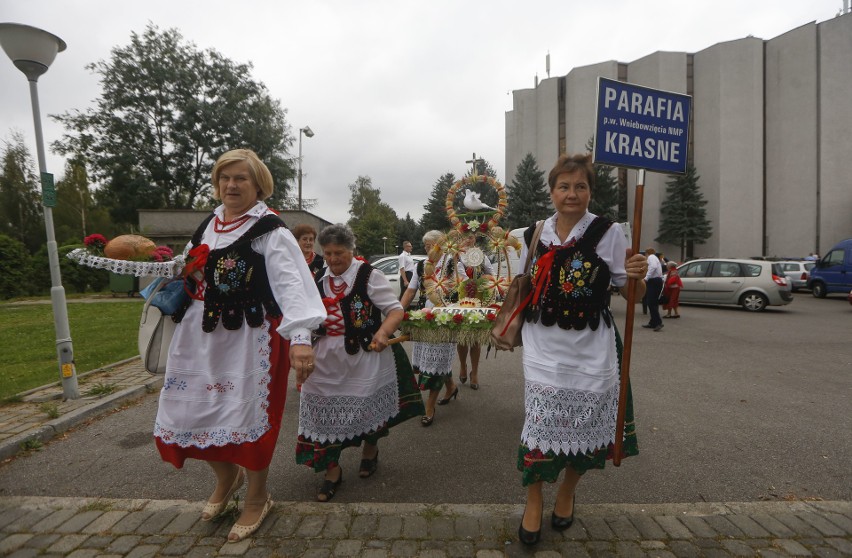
(129, 247)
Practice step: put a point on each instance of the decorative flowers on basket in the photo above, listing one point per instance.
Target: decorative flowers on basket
(445, 325)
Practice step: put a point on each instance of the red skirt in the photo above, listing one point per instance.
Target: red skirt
(674, 296)
(256, 455)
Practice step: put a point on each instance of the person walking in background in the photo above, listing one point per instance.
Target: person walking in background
(654, 281)
(406, 267)
(306, 235)
(358, 390)
(572, 350)
(226, 381)
(671, 291)
(433, 362)
(475, 351)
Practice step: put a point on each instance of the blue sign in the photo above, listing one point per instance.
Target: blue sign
(641, 127)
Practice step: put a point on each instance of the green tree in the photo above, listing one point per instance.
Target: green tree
(371, 219)
(167, 110)
(20, 198)
(528, 195)
(435, 214)
(605, 194)
(683, 217)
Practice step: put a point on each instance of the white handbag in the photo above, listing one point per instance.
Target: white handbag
(155, 336)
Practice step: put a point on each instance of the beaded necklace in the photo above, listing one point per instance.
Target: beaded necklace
(221, 226)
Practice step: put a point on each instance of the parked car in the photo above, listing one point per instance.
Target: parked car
(752, 284)
(389, 265)
(833, 273)
(797, 273)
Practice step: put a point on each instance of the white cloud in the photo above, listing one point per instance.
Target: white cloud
(398, 90)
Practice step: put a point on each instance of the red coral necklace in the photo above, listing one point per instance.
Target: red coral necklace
(221, 226)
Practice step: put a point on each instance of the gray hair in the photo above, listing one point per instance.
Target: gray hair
(337, 234)
(671, 265)
(432, 236)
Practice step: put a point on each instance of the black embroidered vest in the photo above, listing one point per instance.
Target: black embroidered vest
(237, 287)
(576, 295)
(361, 318)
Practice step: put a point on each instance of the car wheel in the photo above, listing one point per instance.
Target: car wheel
(818, 290)
(754, 302)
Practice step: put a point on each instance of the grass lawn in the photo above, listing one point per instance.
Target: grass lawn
(102, 333)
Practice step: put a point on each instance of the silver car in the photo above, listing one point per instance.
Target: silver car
(797, 273)
(389, 265)
(752, 284)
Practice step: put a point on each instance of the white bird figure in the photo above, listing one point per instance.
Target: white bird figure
(472, 202)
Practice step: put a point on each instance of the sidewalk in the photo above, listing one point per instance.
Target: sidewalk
(79, 528)
(30, 421)
(85, 527)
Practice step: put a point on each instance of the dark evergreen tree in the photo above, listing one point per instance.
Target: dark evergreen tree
(605, 193)
(20, 195)
(683, 217)
(528, 195)
(167, 110)
(408, 229)
(487, 194)
(435, 216)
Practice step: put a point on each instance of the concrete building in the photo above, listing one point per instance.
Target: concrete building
(771, 136)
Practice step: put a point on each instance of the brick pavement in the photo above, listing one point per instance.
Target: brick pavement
(85, 527)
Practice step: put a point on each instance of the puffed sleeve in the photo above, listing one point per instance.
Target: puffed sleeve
(613, 250)
(292, 285)
(381, 293)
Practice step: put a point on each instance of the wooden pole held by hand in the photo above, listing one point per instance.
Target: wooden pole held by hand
(393, 341)
(628, 326)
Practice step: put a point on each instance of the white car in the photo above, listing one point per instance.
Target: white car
(797, 273)
(389, 265)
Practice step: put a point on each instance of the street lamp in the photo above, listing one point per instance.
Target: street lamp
(33, 50)
(384, 245)
(309, 133)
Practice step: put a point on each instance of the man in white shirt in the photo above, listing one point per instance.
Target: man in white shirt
(654, 281)
(406, 267)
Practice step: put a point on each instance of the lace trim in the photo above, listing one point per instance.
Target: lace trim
(124, 267)
(435, 359)
(569, 421)
(335, 418)
(218, 437)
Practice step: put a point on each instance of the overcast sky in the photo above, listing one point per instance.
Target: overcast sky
(400, 91)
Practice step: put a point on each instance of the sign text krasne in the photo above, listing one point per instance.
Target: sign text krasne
(641, 127)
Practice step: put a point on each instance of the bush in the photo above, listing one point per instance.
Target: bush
(15, 269)
(75, 277)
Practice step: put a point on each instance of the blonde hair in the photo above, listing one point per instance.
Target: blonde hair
(260, 174)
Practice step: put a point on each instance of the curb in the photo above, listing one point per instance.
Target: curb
(49, 430)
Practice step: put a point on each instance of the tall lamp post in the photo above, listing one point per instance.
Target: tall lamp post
(33, 50)
(384, 245)
(309, 133)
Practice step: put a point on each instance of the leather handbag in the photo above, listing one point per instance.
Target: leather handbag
(506, 332)
(155, 335)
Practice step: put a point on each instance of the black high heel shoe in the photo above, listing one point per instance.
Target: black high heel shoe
(562, 523)
(529, 538)
(453, 395)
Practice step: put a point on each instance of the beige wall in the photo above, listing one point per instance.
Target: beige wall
(791, 142)
(835, 132)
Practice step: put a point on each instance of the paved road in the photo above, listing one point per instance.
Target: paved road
(731, 406)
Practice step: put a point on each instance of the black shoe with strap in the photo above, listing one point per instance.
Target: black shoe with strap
(369, 466)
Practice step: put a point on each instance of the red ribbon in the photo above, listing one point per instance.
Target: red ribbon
(542, 277)
(194, 270)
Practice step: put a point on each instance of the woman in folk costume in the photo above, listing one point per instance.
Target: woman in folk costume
(433, 361)
(571, 347)
(358, 389)
(249, 320)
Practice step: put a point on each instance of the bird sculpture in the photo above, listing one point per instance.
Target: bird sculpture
(472, 201)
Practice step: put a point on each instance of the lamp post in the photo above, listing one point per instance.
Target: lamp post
(309, 133)
(384, 245)
(33, 50)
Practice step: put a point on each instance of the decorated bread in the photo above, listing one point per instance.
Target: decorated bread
(129, 247)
